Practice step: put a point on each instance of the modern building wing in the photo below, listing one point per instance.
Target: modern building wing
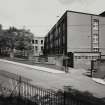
(55, 40)
(78, 36)
(102, 14)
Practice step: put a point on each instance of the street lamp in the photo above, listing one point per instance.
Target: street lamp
(65, 58)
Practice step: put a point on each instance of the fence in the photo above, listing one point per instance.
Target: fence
(43, 96)
(34, 93)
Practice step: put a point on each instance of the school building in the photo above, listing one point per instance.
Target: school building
(76, 39)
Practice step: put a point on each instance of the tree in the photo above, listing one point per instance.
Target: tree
(16, 39)
(23, 41)
(3, 40)
(11, 35)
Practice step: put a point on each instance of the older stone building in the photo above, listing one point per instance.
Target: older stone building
(38, 45)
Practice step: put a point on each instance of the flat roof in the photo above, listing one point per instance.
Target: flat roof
(72, 12)
(38, 37)
(84, 13)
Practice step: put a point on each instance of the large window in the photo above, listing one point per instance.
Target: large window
(59, 29)
(95, 35)
(41, 48)
(87, 57)
(36, 41)
(36, 48)
(64, 27)
(32, 41)
(95, 49)
(63, 39)
(41, 41)
(51, 45)
(59, 42)
(95, 38)
(56, 34)
(95, 24)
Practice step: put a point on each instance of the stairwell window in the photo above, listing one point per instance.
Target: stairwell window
(95, 24)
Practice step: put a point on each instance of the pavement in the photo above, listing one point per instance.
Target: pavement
(99, 80)
(50, 70)
(76, 78)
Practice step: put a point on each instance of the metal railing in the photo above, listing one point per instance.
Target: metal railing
(43, 96)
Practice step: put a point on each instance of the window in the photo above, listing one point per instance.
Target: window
(95, 20)
(95, 27)
(51, 36)
(32, 41)
(32, 47)
(41, 48)
(41, 41)
(63, 26)
(36, 41)
(56, 43)
(95, 24)
(95, 49)
(56, 32)
(51, 45)
(95, 45)
(36, 48)
(95, 40)
(59, 42)
(86, 57)
(63, 39)
(59, 29)
(95, 35)
(77, 57)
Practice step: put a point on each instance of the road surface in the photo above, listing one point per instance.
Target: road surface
(75, 78)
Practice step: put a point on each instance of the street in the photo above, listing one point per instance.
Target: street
(75, 78)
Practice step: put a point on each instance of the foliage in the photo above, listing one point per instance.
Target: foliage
(23, 40)
(15, 101)
(18, 39)
(85, 97)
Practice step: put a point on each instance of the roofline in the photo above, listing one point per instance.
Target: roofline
(38, 37)
(72, 12)
(88, 52)
(83, 13)
(57, 22)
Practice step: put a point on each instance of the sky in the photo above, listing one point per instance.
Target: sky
(40, 15)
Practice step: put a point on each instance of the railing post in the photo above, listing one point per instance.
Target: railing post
(64, 97)
(19, 85)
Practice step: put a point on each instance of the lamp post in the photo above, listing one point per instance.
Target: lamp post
(65, 58)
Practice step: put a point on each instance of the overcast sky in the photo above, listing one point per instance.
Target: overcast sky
(40, 15)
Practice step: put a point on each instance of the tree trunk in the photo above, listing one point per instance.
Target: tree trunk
(0, 51)
(12, 53)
